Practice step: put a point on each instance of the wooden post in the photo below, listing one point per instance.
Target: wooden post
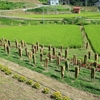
(87, 44)
(74, 60)
(33, 51)
(34, 59)
(59, 54)
(58, 61)
(26, 51)
(22, 43)
(92, 74)
(62, 71)
(95, 64)
(42, 49)
(66, 53)
(5, 47)
(79, 64)
(30, 55)
(49, 48)
(96, 57)
(32, 46)
(61, 49)
(37, 45)
(46, 63)
(41, 57)
(76, 72)
(20, 52)
(89, 55)
(8, 49)
(16, 43)
(9, 43)
(50, 56)
(85, 59)
(67, 65)
(54, 51)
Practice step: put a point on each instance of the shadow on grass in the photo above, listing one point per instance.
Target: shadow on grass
(54, 76)
(71, 70)
(57, 70)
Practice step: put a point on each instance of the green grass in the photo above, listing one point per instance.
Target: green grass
(49, 9)
(94, 36)
(56, 35)
(90, 15)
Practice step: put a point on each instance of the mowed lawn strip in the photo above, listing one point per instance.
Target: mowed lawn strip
(56, 35)
(93, 33)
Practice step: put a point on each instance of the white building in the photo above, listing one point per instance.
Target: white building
(53, 2)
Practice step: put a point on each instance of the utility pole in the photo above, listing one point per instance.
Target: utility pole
(43, 16)
(86, 2)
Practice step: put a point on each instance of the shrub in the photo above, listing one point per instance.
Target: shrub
(46, 91)
(16, 76)
(36, 85)
(57, 95)
(8, 72)
(4, 69)
(22, 79)
(65, 98)
(29, 82)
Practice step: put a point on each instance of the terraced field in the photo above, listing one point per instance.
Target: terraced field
(56, 35)
(93, 33)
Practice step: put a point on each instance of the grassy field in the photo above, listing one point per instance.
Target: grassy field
(83, 82)
(56, 35)
(87, 15)
(94, 36)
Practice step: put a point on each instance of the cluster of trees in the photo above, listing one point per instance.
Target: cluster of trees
(80, 2)
(76, 2)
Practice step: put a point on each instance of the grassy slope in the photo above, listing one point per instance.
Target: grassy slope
(56, 35)
(93, 33)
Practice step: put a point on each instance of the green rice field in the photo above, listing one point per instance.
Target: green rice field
(56, 35)
(53, 16)
(93, 33)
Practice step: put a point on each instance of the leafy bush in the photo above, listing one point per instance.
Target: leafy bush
(22, 79)
(36, 85)
(57, 95)
(16, 76)
(4, 69)
(46, 91)
(65, 98)
(8, 72)
(29, 82)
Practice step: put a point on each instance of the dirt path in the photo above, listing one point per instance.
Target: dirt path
(65, 89)
(11, 89)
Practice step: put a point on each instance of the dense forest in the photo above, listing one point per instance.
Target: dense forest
(76, 2)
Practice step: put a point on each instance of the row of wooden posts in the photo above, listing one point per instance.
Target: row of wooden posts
(32, 55)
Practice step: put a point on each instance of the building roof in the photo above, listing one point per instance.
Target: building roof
(76, 7)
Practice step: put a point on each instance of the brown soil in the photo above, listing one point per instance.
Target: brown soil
(14, 88)
(11, 89)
